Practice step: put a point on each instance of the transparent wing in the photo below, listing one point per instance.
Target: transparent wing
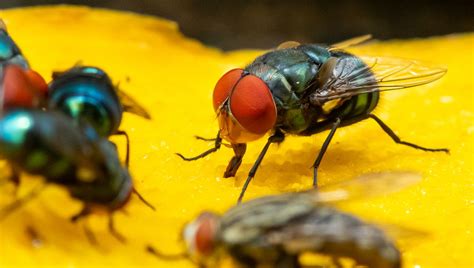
(2, 25)
(347, 76)
(131, 106)
(406, 237)
(365, 186)
(350, 42)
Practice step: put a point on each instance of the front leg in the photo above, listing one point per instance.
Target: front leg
(86, 210)
(234, 163)
(277, 137)
(81, 214)
(288, 261)
(15, 176)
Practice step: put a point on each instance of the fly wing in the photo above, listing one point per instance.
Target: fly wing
(130, 105)
(406, 237)
(347, 75)
(365, 186)
(350, 42)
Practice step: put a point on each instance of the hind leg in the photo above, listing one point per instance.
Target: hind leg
(288, 261)
(397, 140)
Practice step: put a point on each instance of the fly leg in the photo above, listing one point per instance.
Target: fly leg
(337, 262)
(217, 145)
(15, 176)
(396, 139)
(277, 137)
(127, 154)
(89, 234)
(205, 139)
(81, 214)
(234, 163)
(143, 199)
(288, 261)
(114, 232)
(7, 210)
(325, 146)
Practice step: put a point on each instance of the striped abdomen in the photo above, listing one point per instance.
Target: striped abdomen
(357, 107)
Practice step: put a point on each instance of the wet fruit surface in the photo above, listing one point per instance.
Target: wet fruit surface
(173, 77)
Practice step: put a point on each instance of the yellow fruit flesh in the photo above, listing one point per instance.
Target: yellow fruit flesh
(173, 77)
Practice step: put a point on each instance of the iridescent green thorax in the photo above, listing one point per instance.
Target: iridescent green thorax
(293, 74)
(40, 143)
(87, 94)
(290, 73)
(9, 51)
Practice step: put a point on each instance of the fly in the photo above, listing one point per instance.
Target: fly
(276, 230)
(304, 90)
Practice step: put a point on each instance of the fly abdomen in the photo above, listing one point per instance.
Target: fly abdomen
(357, 107)
(343, 235)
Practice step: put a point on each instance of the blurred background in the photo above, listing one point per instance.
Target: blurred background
(266, 23)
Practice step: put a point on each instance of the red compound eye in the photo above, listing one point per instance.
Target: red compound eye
(252, 105)
(205, 236)
(22, 88)
(224, 86)
(38, 82)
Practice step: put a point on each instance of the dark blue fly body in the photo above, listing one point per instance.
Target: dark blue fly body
(88, 95)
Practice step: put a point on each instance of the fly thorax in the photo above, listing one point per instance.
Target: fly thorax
(14, 130)
(291, 116)
(88, 101)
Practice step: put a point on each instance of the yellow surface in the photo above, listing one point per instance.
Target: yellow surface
(173, 77)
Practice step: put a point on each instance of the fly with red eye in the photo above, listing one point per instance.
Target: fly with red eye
(20, 86)
(276, 230)
(304, 90)
(46, 143)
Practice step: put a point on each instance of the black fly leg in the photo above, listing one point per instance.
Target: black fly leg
(234, 163)
(114, 232)
(325, 146)
(277, 137)
(288, 261)
(217, 145)
(7, 210)
(89, 234)
(396, 139)
(164, 256)
(204, 139)
(14, 176)
(81, 214)
(143, 199)
(127, 154)
(337, 262)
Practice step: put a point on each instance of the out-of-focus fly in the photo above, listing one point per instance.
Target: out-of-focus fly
(276, 230)
(49, 144)
(20, 86)
(86, 94)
